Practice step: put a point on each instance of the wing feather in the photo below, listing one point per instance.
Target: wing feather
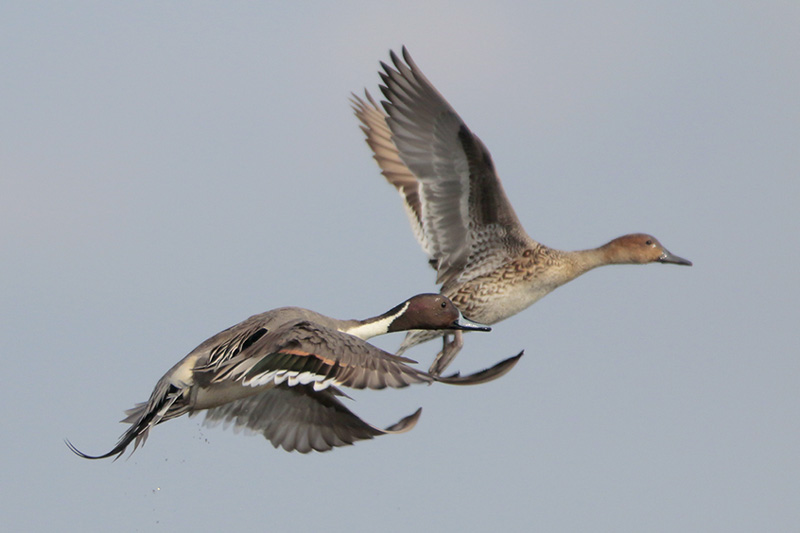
(301, 419)
(304, 352)
(455, 201)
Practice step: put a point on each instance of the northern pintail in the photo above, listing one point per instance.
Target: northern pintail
(485, 261)
(277, 373)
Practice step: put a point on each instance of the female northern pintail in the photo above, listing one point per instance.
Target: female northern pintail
(486, 262)
(277, 372)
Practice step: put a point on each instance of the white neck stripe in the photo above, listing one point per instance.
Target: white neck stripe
(377, 327)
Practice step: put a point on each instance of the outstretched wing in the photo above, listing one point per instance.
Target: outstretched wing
(379, 138)
(302, 419)
(466, 223)
(302, 352)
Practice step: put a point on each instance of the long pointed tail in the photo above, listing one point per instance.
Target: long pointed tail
(159, 408)
(137, 432)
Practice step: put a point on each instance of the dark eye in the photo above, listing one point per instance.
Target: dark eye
(649, 242)
(444, 304)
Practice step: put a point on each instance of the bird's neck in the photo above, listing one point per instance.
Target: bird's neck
(379, 325)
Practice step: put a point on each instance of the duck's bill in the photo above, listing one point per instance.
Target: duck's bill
(468, 325)
(668, 257)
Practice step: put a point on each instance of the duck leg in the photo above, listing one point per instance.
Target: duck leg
(450, 349)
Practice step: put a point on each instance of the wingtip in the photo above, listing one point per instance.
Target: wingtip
(405, 424)
(484, 376)
(358, 102)
(407, 56)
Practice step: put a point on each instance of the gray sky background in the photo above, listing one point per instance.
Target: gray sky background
(169, 169)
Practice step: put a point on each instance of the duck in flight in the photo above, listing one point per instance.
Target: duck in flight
(277, 373)
(485, 261)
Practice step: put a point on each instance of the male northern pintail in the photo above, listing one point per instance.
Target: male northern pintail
(276, 373)
(486, 262)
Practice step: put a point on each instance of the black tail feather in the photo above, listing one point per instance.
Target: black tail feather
(160, 408)
(137, 431)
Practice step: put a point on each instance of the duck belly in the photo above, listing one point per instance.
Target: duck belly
(489, 303)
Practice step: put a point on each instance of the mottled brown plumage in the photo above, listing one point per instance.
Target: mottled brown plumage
(486, 262)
